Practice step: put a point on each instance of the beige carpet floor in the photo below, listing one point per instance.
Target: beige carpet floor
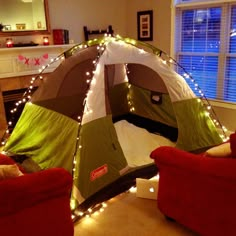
(128, 215)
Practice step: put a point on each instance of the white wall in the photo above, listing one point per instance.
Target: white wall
(226, 114)
(74, 14)
(122, 15)
(161, 21)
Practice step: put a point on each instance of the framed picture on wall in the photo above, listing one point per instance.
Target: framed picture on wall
(145, 25)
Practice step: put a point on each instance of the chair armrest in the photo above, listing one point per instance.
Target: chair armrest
(199, 163)
(31, 189)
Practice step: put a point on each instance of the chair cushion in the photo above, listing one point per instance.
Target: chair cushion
(6, 160)
(9, 171)
(227, 149)
(222, 150)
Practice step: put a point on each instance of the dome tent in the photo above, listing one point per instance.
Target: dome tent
(69, 121)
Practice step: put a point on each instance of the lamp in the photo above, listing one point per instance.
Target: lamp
(9, 42)
(45, 41)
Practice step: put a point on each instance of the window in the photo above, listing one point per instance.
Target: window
(206, 47)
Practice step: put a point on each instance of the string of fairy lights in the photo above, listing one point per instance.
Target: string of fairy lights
(78, 214)
(209, 111)
(91, 81)
(28, 93)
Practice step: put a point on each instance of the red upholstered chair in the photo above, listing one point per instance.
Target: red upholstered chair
(198, 191)
(35, 204)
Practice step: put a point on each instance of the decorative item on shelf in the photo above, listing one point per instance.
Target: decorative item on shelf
(45, 41)
(30, 44)
(33, 61)
(1, 26)
(88, 33)
(6, 27)
(145, 25)
(9, 42)
(39, 24)
(21, 26)
(60, 36)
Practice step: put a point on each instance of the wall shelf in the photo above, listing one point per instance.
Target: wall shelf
(88, 33)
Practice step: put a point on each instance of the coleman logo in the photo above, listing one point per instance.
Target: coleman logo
(100, 171)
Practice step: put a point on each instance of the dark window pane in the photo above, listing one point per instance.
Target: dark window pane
(230, 80)
(201, 30)
(203, 70)
(232, 45)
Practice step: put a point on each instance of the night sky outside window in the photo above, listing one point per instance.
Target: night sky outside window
(206, 48)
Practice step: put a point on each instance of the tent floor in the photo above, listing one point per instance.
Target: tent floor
(150, 125)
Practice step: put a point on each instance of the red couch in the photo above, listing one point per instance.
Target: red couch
(35, 204)
(197, 190)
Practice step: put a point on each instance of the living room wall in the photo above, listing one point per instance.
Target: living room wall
(122, 15)
(162, 28)
(75, 14)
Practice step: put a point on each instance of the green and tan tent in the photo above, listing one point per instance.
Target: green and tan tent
(72, 119)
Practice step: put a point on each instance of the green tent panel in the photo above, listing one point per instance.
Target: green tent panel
(45, 136)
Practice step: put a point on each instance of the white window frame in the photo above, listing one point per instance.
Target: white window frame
(194, 4)
(180, 3)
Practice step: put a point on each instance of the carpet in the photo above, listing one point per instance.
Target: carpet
(128, 215)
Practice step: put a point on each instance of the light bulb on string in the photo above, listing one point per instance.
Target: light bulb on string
(141, 51)
(202, 97)
(224, 128)
(93, 82)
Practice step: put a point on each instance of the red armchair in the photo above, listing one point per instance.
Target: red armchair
(36, 203)
(198, 191)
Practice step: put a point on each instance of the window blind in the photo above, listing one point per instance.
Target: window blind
(206, 48)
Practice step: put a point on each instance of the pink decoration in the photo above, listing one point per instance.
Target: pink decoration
(45, 56)
(21, 58)
(34, 61)
(26, 61)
